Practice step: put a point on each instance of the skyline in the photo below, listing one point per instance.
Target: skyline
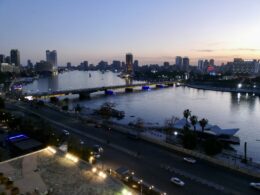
(159, 30)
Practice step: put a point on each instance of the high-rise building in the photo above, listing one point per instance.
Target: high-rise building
(129, 63)
(205, 65)
(43, 67)
(29, 64)
(8, 60)
(211, 62)
(200, 65)
(136, 65)
(185, 63)
(15, 57)
(166, 64)
(51, 57)
(178, 61)
(239, 66)
(116, 65)
(2, 58)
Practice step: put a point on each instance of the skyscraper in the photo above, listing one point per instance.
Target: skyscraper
(200, 64)
(29, 64)
(2, 58)
(185, 63)
(7, 60)
(129, 63)
(136, 65)
(15, 57)
(178, 61)
(211, 62)
(51, 57)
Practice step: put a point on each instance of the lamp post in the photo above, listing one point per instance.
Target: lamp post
(141, 187)
(245, 152)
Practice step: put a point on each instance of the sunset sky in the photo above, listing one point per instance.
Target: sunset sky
(153, 30)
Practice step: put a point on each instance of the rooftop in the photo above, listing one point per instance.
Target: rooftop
(45, 170)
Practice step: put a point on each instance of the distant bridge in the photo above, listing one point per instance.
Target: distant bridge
(85, 92)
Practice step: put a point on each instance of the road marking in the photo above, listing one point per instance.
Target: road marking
(198, 179)
(122, 149)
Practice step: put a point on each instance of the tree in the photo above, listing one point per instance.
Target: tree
(194, 120)
(186, 114)
(189, 139)
(203, 122)
(54, 100)
(77, 108)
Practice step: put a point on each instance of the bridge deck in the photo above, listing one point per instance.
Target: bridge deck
(90, 90)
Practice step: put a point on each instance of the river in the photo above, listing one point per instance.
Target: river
(225, 109)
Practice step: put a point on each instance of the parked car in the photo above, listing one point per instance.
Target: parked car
(255, 185)
(177, 181)
(189, 160)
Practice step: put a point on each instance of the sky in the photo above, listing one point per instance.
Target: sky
(153, 30)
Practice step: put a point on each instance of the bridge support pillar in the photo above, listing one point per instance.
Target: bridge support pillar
(83, 95)
(129, 89)
(109, 92)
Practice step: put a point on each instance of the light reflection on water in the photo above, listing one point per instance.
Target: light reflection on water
(227, 110)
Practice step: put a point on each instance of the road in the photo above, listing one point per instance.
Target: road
(156, 165)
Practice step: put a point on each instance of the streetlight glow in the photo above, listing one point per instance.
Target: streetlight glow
(51, 149)
(94, 169)
(72, 158)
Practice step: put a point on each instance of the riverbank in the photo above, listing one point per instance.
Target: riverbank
(225, 159)
(224, 89)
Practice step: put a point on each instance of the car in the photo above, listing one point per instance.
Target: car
(96, 155)
(255, 185)
(98, 149)
(66, 132)
(177, 181)
(189, 160)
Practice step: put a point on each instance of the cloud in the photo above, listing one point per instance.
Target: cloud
(205, 50)
(245, 49)
(232, 49)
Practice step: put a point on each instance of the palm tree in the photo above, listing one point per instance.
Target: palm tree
(186, 114)
(203, 122)
(194, 120)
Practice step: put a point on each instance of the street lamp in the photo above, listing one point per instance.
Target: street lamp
(91, 159)
(141, 187)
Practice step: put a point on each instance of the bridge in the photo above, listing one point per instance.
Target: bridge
(85, 92)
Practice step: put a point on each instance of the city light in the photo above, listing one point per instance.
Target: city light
(94, 170)
(102, 174)
(126, 192)
(175, 133)
(72, 158)
(51, 149)
(151, 187)
(91, 159)
(30, 98)
(239, 85)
